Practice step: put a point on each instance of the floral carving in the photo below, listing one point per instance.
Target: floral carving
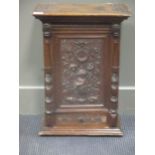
(81, 75)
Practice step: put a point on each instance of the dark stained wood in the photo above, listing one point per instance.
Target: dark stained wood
(81, 67)
(69, 9)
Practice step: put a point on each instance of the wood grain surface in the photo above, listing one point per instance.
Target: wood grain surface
(102, 9)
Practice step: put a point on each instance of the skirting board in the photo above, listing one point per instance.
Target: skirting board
(31, 100)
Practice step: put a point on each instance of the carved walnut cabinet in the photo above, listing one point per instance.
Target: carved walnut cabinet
(81, 67)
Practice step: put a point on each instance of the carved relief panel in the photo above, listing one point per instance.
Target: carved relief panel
(82, 75)
(81, 78)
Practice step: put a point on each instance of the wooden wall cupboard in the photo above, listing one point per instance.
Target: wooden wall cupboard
(81, 67)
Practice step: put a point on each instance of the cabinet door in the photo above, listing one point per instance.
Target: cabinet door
(81, 75)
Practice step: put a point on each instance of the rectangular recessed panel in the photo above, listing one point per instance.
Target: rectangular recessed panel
(81, 71)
